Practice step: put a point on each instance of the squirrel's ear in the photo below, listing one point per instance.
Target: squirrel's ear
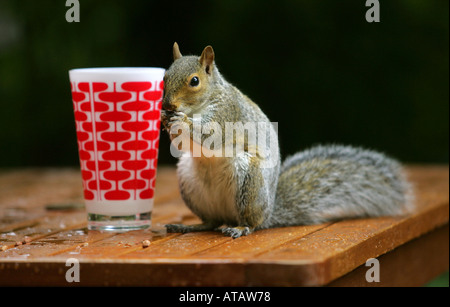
(207, 59)
(176, 52)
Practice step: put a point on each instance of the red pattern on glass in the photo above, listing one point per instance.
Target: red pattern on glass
(119, 150)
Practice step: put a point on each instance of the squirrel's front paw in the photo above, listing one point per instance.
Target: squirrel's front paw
(178, 118)
(165, 116)
(178, 121)
(174, 118)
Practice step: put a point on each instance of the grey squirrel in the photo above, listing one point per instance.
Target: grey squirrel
(252, 190)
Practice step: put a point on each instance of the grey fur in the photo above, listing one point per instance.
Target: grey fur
(324, 183)
(327, 183)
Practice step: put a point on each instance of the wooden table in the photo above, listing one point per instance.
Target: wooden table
(42, 226)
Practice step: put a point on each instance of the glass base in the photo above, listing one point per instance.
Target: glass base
(119, 223)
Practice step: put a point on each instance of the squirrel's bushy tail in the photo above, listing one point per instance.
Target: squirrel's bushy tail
(335, 182)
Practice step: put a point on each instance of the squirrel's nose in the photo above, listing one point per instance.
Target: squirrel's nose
(166, 105)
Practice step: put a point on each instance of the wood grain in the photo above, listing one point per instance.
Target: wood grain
(43, 223)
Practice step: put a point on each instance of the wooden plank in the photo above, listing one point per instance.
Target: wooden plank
(335, 250)
(408, 265)
(179, 246)
(16, 218)
(303, 255)
(70, 241)
(115, 245)
(151, 273)
(39, 187)
(325, 255)
(79, 242)
(49, 225)
(24, 194)
(25, 200)
(166, 186)
(172, 211)
(257, 243)
(123, 273)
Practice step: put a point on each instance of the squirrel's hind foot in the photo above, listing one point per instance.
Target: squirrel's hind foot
(180, 228)
(236, 232)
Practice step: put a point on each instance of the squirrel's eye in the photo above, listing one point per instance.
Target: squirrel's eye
(195, 81)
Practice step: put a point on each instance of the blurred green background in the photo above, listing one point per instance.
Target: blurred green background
(315, 67)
